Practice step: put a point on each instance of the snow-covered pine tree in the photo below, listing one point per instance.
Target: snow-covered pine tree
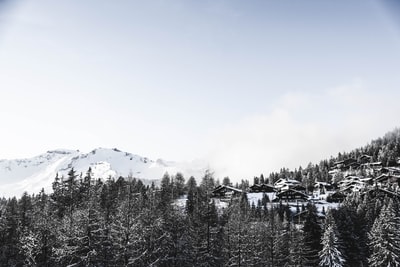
(296, 248)
(330, 255)
(283, 233)
(350, 228)
(44, 224)
(10, 234)
(385, 239)
(91, 239)
(237, 228)
(125, 226)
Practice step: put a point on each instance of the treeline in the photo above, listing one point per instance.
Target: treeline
(90, 222)
(385, 150)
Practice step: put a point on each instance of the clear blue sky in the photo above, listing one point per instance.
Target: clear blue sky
(249, 86)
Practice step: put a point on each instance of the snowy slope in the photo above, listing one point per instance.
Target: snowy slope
(19, 175)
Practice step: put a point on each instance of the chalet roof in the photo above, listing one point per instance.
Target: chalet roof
(352, 187)
(366, 179)
(323, 183)
(393, 169)
(384, 177)
(233, 188)
(355, 183)
(346, 161)
(286, 181)
(347, 183)
(376, 163)
(353, 177)
(226, 187)
(386, 192)
(263, 187)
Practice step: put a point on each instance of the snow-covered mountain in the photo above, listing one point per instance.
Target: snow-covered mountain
(33, 174)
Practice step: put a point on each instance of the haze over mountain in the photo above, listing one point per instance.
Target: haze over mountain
(33, 174)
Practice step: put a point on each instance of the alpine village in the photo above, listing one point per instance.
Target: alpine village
(343, 211)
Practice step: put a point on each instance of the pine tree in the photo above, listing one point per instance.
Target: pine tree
(25, 211)
(91, 241)
(44, 224)
(28, 246)
(385, 238)
(179, 184)
(207, 183)
(330, 255)
(350, 225)
(312, 236)
(296, 249)
(238, 229)
(282, 245)
(125, 227)
(226, 181)
(192, 197)
(9, 235)
(58, 202)
(165, 191)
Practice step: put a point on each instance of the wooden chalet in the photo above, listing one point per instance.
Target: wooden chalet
(285, 184)
(378, 192)
(386, 179)
(352, 184)
(225, 191)
(336, 197)
(291, 195)
(262, 188)
(390, 170)
(346, 164)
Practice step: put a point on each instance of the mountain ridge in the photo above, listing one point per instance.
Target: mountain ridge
(33, 174)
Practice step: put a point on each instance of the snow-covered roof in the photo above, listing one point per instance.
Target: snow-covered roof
(284, 181)
(323, 183)
(222, 187)
(233, 188)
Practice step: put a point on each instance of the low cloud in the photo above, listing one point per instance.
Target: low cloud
(304, 127)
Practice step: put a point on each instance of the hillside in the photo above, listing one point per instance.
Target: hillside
(383, 151)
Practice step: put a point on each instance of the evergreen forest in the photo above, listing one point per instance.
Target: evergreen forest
(88, 222)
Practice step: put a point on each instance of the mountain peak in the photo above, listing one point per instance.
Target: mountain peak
(61, 151)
